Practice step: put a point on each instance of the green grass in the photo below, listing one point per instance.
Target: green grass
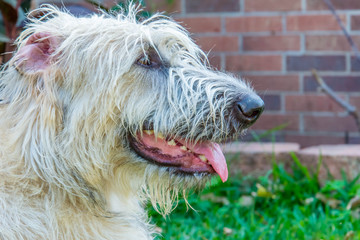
(278, 206)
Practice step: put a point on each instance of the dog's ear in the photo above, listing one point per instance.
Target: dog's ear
(36, 55)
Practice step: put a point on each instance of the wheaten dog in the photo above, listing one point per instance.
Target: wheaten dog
(101, 114)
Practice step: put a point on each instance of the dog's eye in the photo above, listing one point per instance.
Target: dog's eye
(149, 60)
(145, 61)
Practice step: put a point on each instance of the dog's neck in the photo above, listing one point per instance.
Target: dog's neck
(119, 201)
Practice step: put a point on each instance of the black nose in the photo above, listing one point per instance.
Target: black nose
(249, 108)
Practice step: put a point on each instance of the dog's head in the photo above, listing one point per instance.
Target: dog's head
(135, 102)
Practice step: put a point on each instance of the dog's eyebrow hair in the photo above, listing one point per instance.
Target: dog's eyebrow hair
(156, 18)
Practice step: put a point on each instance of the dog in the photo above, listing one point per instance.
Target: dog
(104, 113)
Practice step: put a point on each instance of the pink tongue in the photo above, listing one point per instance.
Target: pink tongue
(215, 156)
(211, 151)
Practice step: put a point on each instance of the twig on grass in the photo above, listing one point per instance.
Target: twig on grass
(347, 106)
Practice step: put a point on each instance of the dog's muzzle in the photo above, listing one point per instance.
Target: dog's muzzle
(185, 156)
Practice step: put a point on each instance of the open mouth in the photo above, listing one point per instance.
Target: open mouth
(203, 157)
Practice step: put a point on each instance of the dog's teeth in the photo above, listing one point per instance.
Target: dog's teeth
(203, 158)
(171, 142)
(183, 148)
(160, 136)
(149, 132)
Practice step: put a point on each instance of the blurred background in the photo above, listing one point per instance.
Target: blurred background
(274, 44)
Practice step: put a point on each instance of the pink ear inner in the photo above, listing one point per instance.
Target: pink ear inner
(35, 55)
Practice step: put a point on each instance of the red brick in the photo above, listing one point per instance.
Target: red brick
(337, 83)
(212, 6)
(355, 22)
(354, 140)
(321, 63)
(355, 64)
(271, 43)
(274, 83)
(308, 141)
(355, 101)
(253, 63)
(201, 24)
(254, 24)
(314, 23)
(329, 43)
(272, 102)
(330, 124)
(272, 5)
(311, 103)
(219, 43)
(269, 121)
(338, 4)
(161, 6)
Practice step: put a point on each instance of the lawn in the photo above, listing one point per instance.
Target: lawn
(280, 205)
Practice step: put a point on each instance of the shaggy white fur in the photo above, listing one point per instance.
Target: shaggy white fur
(74, 96)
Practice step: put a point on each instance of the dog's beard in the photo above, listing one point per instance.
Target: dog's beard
(164, 187)
(167, 166)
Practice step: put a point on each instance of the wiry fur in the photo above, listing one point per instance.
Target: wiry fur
(66, 168)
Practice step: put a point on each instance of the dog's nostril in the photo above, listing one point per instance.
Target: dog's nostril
(252, 114)
(249, 108)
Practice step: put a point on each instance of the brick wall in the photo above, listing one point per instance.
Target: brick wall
(274, 44)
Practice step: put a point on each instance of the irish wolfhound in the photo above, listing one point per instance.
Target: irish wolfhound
(100, 114)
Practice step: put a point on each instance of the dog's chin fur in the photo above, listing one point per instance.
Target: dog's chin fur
(160, 184)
